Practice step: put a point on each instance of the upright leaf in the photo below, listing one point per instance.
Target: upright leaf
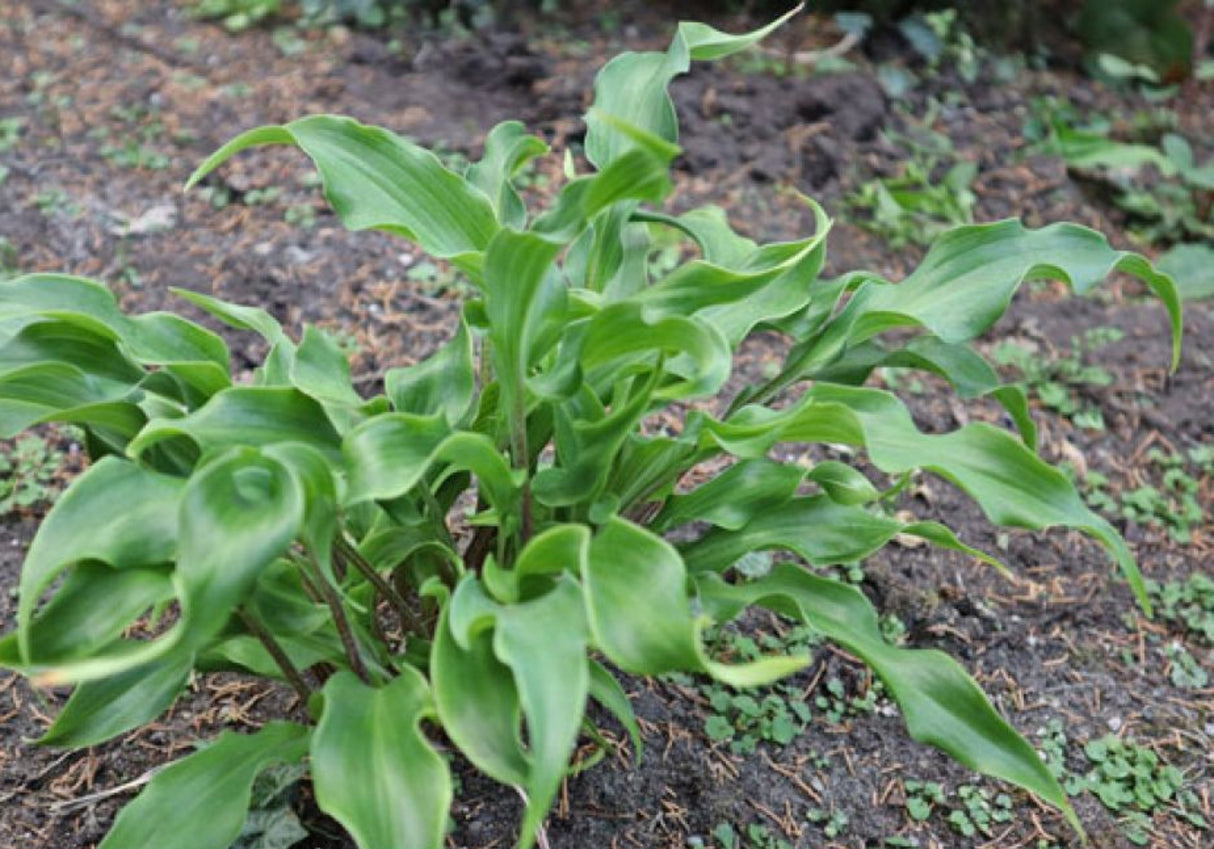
(632, 86)
(373, 769)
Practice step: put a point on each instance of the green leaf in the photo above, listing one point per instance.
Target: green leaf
(191, 354)
(375, 179)
(621, 338)
(100, 710)
(632, 86)
(116, 513)
(442, 383)
(817, 528)
(388, 455)
(478, 701)
(587, 441)
(54, 391)
(249, 415)
(1084, 149)
(654, 632)
(734, 497)
(543, 641)
(1011, 484)
(72, 624)
(967, 280)
(321, 369)
(523, 296)
(606, 690)
(205, 795)
(767, 283)
(238, 514)
(373, 769)
(645, 633)
(842, 483)
(508, 148)
(942, 704)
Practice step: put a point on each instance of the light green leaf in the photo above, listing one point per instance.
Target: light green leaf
(478, 701)
(388, 455)
(508, 148)
(543, 641)
(248, 415)
(100, 710)
(843, 483)
(205, 795)
(632, 86)
(442, 383)
(115, 513)
(56, 391)
(377, 180)
(655, 631)
(735, 496)
(524, 296)
(373, 769)
(1011, 484)
(72, 624)
(1192, 267)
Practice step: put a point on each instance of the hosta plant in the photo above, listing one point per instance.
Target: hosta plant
(462, 563)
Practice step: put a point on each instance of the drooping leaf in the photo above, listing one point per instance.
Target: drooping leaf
(543, 641)
(1011, 484)
(249, 415)
(478, 701)
(942, 704)
(967, 280)
(403, 790)
(205, 795)
(72, 624)
(817, 528)
(377, 180)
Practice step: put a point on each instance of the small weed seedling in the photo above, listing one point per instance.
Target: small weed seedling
(473, 550)
(1189, 604)
(28, 469)
(1133, 782)
(930, 195)
(1175, 504)
(754, 836)
(1056, 381)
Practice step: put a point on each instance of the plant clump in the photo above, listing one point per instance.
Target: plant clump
(475, 552)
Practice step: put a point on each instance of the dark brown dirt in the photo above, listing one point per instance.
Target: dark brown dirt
(1060, 641)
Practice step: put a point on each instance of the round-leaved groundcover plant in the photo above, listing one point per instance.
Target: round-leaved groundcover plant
(293, 529)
